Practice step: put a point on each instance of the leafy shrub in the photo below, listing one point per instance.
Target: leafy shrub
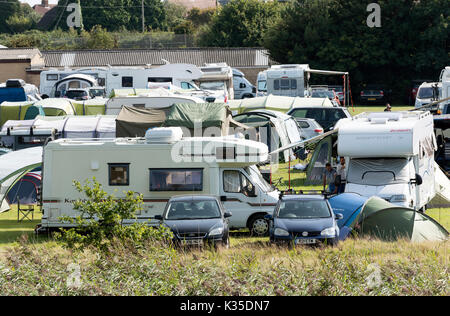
(101, 220)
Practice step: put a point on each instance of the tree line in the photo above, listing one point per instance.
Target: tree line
(412, 42)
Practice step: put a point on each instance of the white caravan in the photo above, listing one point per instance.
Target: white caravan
(427, 93)
(287, 80)
(217, 77)
(160, 99)
(242, 87)
(180, 75)
(159, 166)
(390, 155)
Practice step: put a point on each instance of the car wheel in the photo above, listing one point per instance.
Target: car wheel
(259, 226)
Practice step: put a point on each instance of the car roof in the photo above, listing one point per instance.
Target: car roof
(303, 197)
(190, 198)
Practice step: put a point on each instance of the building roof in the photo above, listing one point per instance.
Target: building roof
(42, 10)
(18, 53)
(234, 57)
(201, 4)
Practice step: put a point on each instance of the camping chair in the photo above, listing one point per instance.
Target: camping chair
(24, 211)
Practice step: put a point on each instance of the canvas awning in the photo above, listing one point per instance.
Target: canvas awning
(15, 165)
(134, 122)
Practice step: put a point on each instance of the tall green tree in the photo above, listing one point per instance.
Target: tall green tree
(412, 41)
(12, 10)
(240, 23)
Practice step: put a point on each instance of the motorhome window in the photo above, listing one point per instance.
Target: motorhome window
(234, 181)
(276, 84)
(127, 82)
(262, 85)
(285, 84)
(378, 171)
(119, 174)
(213, 85)
(141, 106)
(294, 84)
(186, 85)
(160, 80)
(176, 180)
(52, 77)
(74, 85)
(101, 81)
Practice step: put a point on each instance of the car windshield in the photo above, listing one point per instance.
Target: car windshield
(97, 92)
(212, 85)
(304, 209)
(322, 94)
(193, 210)
(254, 172)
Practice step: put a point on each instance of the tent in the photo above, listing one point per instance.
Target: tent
(106, 126)
(322, 154)
(95, 106)
(276, 103)
(13, 111)
(134, 122)
(25, 190)
(378, 218)
(56, 106)
(13, 166)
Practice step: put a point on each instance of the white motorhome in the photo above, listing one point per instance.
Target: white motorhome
(217, 77)
(427, 93)
(180, 75)
(287, 80)
(390, 155)
(445, 81)
(242, 87)
(157, 100)
(159, 166)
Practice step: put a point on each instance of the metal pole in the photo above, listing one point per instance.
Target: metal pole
(143, 16)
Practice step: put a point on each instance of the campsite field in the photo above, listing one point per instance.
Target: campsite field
(41, 266)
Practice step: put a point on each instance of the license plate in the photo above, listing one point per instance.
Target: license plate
(371, 99)
(305, 241)
(192, 242)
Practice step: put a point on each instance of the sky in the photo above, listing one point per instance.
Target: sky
(33, 2)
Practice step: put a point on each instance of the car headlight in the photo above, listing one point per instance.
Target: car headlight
(331, 231)
(216, 231)
(398, 198)
(281, 232)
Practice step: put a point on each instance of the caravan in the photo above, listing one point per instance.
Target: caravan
(217, 77)
(159, 166)
(16, 90)
(243, 89)
(390, 155)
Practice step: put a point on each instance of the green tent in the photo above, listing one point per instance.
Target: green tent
(56, 106)
(95, 106)
(322, 154)
(381, 219)
(13, 111)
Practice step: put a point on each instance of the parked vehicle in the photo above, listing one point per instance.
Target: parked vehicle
(390, 155)
(261, 89)
(287, 80)
(197, 220)
(330, 94)
(327, 117)
(159, 166)
(309, 127)
(243, 89)
(217, 77)
(412, 90)
(374, 94)
(427, 93)
(16, 90)
(304, 220)
(444, 79)
(442, 131)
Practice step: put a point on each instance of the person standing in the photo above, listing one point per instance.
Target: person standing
(329, 175)
(388, 108)
(341, 171)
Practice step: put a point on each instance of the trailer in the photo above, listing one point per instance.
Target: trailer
(159, 166)
(390, 155)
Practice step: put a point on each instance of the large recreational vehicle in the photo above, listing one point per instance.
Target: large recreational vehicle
(159, 166)
(261, 84)
(390, 155)
(16, 90)
(445, 81)
(243, 89)
(180, 75)
(217, 77)
(293, 80)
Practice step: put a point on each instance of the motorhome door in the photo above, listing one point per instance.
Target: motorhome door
(239, 195)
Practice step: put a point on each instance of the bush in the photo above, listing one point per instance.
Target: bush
(101, 220)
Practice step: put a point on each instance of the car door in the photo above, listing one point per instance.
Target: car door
(235, 198)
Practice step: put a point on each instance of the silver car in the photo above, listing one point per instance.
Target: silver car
(309, 127)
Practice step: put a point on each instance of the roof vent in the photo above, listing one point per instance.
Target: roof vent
(164, 135)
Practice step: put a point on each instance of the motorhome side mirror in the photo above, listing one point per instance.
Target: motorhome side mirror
(227, 214)
(242, 86)
(268, 217)
(419, 180)
(339, 216)
(158, 217)
(223, 198)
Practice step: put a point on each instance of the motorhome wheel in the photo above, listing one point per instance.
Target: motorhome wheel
(259, 226)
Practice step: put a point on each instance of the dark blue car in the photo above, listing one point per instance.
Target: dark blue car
(197, 220)
(304, 219)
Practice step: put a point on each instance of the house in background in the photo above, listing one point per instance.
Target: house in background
(43, 8)
(201, 4)
(21, 63)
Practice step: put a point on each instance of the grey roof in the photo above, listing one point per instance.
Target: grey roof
(18, 53)
(234, 57)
